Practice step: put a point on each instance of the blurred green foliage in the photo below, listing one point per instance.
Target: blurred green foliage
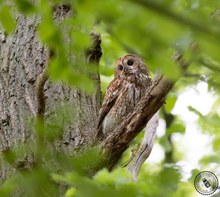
(6, 19)
(152, 29)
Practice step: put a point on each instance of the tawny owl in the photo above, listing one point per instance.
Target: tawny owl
(130, 83)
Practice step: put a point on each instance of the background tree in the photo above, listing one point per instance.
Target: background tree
(53, 165)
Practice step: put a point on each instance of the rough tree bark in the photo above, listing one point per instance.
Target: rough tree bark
(22, 60)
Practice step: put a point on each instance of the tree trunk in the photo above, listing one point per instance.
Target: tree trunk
(22, 60)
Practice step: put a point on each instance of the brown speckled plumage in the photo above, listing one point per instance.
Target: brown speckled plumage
(130, 83)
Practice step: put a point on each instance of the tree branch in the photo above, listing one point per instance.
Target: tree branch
(118, 141)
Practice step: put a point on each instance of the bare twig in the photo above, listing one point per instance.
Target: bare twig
(39, 88)
(41, 80)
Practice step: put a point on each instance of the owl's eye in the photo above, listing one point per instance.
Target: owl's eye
(120, 67)
(130, 62)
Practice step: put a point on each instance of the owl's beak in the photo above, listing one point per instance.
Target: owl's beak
(126, 69)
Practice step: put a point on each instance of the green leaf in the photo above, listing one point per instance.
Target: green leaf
(170, 102)
(216, 144)
(166, 65)
(62, 70)
(80, 41)
(7, 19)
(70, 192)
(10, 185)
(176, 127)
(214, 120)
(89, 157)
(49, 33)
(169, 179)
(60, 117)
(25, 6)
(208, 159)
(9, 156)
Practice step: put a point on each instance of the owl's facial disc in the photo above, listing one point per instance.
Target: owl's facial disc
(126, 65)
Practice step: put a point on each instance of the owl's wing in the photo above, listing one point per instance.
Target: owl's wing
(111, 95)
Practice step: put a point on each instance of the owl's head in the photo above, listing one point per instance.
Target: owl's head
(128, 65)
